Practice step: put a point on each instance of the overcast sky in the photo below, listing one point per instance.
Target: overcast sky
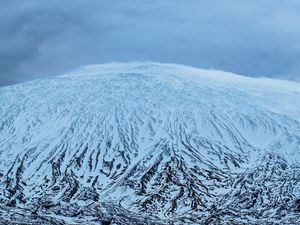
(40, 38)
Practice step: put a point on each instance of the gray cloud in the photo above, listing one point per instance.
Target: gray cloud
(255, 38)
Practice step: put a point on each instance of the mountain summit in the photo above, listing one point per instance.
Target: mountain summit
(150, 143)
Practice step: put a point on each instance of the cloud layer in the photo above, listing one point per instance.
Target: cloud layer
(255, 38)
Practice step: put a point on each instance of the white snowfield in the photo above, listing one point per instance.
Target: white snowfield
(182, 143)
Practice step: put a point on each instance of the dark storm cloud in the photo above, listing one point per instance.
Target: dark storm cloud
(41, 38)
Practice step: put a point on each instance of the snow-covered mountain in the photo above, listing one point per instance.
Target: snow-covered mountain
(150, 143)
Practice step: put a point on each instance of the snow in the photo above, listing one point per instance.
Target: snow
(108, 126)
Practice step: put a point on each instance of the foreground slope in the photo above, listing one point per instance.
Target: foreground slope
(125, 142)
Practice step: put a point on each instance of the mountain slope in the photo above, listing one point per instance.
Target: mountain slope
(144, 139)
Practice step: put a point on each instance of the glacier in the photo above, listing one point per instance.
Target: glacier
(150, 143)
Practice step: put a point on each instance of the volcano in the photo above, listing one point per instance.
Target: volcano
(150, 143)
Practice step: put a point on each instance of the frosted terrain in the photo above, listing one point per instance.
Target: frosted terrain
(150, 143)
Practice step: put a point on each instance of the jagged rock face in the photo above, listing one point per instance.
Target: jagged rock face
(148, 143)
